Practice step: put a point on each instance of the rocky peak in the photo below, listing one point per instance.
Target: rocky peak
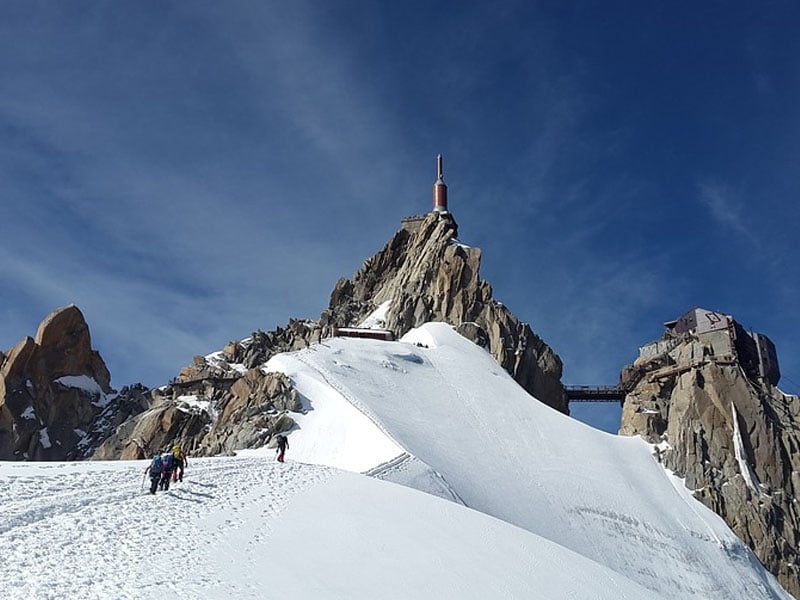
(426, 275)
(64, 347)
(55, 395)
(729, 432)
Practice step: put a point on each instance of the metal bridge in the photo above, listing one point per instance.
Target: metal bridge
(594, 393)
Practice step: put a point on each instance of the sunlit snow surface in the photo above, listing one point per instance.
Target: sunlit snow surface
(560, 510)
(254, 528)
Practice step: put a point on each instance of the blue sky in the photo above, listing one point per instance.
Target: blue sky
(189, 172)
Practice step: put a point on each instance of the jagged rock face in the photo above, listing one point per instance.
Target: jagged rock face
(429, 276)
(154, 430)
(56, 400)
(255, 351)
(735, 441)
(249, 411)
(65, 348)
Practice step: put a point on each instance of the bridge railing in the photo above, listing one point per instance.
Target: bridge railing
(594, 393)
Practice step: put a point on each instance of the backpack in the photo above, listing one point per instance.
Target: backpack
(155, 466)
(167, 461)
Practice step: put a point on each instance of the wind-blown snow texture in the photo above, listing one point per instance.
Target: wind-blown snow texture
(570, 512)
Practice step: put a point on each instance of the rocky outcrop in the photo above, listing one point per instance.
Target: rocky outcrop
(208, 417)
(733, 438)
(428, 275)
(56, 400)
(254, 351)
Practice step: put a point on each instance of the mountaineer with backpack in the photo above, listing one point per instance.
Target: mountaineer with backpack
(155, 470)
(283, 444)
(181, 461)
(167, 466)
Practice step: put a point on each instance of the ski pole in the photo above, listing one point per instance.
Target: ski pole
(143, 476)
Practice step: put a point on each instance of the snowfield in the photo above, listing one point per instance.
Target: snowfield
(254, 528)
(418, 469)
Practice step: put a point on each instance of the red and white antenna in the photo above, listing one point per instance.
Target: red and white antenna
(439, 188)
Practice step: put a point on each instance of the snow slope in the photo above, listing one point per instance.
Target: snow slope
(553, 510)
(478, 435)
(250, 528)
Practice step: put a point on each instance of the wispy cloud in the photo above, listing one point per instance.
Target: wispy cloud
(132, 189)
(726, 209)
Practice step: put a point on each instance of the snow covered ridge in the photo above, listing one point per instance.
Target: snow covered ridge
(551, 508)
(437, 413)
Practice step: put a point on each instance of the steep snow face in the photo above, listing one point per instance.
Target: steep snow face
(250, 528)
(447, 404)
(333, 430)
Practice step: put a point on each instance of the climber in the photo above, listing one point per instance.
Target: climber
(167, 466)
(154, 469)
(181, 461)
(283, 444)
